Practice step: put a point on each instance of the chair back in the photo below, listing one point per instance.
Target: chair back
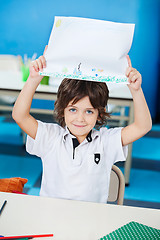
(117, 186)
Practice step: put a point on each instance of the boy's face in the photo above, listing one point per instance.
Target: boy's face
(80, 118)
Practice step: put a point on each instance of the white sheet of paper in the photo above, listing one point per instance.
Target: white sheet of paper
(88, 49)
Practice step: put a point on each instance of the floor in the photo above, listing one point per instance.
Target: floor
(144, 187)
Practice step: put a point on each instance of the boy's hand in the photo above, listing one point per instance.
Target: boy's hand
(134, 77)
(37, 65)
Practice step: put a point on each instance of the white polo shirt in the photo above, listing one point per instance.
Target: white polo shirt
(82, 173)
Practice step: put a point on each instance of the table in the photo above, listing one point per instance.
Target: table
(68, 219)
(11, 84)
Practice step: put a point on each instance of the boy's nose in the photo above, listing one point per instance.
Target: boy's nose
(80, 117)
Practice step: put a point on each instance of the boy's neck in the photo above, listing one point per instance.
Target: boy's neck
(88, 137)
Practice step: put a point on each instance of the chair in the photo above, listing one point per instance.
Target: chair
(117, 186)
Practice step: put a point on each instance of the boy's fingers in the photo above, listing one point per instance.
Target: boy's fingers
(40, 64)
(35, 65)
(129, 61)
(43, 61)
(129, 69)
(134, 78)
(45, 49)
(133, 71)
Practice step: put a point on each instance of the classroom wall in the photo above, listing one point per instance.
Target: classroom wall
(25, 27)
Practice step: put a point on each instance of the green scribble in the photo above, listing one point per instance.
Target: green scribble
(65, 70)
(112, 79)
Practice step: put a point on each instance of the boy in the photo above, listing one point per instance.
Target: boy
(77, 159)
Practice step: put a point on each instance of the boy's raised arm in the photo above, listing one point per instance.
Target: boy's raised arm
(21, 109)
(142, 118)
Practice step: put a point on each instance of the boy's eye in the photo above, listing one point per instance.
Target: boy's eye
(72, 110)
(89, 111)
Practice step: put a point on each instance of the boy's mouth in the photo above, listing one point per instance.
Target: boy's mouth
(79, 125)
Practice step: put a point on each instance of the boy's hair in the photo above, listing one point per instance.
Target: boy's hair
(74, 90)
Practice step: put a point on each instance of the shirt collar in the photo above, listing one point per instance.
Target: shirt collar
(66, 132)
(91, 135)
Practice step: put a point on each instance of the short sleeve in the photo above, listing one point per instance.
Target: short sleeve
(114, 144)
(45, 136)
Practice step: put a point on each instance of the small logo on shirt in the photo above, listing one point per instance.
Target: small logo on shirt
(97, 157)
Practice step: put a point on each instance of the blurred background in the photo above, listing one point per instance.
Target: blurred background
(25, 27)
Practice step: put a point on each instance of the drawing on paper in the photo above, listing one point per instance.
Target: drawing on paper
(97, 71)
(65, 70)
(77, 75)
(77, 71)
(58, 23)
